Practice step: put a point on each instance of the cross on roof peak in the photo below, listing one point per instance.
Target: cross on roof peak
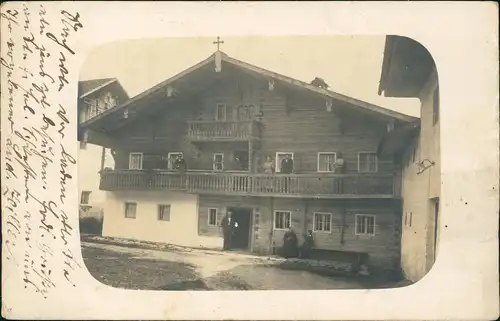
(218, 42)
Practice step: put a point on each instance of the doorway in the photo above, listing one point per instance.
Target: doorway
(242, 218)
(241, 160)
(436, 226)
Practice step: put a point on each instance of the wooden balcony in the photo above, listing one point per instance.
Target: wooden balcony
(223, 131)
(298, 185)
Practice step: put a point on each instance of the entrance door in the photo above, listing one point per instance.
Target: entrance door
(241, 230)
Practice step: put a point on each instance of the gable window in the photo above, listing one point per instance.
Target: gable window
(164, 212)
(85, 198)
(282, 220)
(435, 106)
(135, 161)
(322, 222)
(326, 162)
(171, 159)
(367, 162)
(218, 163)
(212, 217)
(365, 224)
(220, 112)
(130, 209)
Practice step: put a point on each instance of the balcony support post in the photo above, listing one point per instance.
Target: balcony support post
(250, 156)
(306, 209)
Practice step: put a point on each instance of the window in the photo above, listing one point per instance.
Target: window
(130, 209)
(279, 158)
(367, 162)
(135, 161)
(220, 112)
(164, 212)
(218, 162)
(282, 220)
(212, 217)
(435, 106)
(246, 112)
(365, 224)
(91, 108)
(85, 198)
(326, 162)
(408, 218)
(171, 159)
(322, 222)
(109, 101)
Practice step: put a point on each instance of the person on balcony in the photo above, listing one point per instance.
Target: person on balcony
(181, 166)
(240, 182)
(287, 168)
(227, 231)
(269, 171)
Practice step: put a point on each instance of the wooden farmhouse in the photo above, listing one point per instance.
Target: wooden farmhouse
(94, 97)
(228, 118)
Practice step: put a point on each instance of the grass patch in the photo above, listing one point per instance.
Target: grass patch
(121, 270)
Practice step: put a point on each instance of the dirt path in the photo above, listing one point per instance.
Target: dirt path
(207, 263)
(137, 268)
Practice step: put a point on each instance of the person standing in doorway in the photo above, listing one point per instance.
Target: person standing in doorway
(181, 166)
(287, 168)
(227, 231)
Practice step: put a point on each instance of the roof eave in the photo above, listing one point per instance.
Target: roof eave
(321, 91)
(149, 91)
(386, 62)
(394, 142)
(96, 89)
(263, 72)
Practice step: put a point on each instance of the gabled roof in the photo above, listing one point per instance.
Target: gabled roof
(325, 92)
(86, 87)
(259, 71)
(406, 66)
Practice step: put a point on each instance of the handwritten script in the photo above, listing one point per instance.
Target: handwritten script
(37, 164)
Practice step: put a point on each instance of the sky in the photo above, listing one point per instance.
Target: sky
(350, 65)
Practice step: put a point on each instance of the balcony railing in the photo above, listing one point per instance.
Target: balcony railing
(297, 185)
(223, 130)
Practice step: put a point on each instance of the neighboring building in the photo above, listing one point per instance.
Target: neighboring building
(409, 71)
(226, 117)
(94, 97)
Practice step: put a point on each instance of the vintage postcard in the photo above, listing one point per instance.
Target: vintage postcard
(176, 160)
